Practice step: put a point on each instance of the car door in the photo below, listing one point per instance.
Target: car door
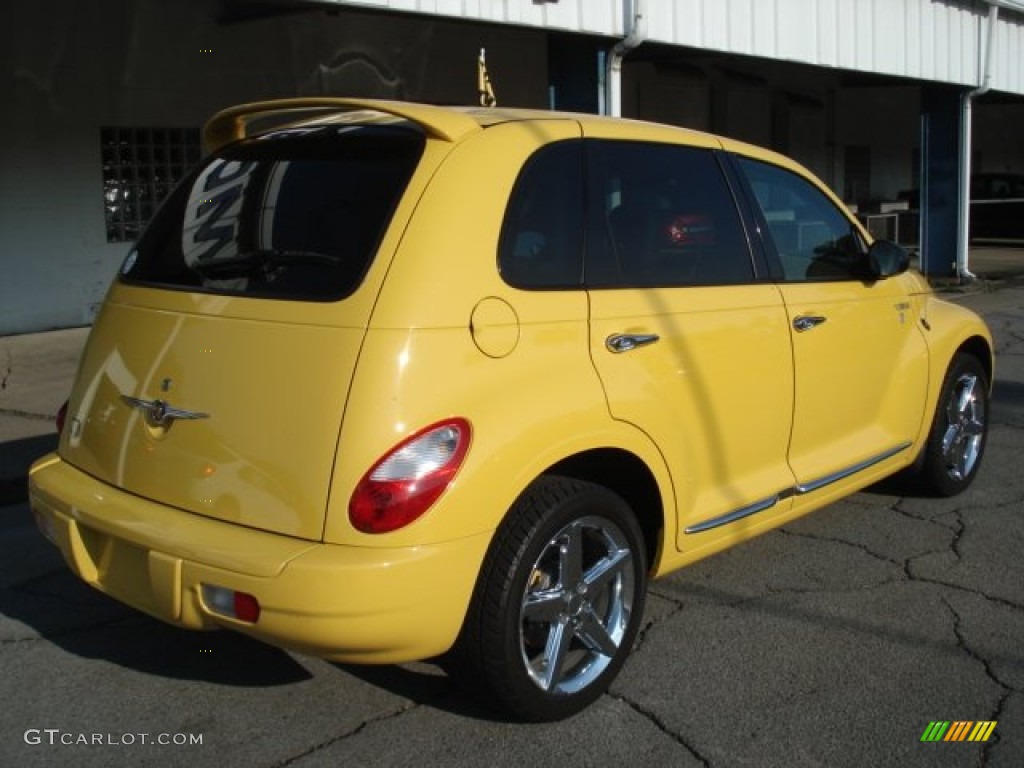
(860, 360)
(690, 343)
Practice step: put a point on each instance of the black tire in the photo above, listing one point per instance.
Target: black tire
(950, 459)
(566, 571)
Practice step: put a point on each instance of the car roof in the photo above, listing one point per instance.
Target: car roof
(448, 123)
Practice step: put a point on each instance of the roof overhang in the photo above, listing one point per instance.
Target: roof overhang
(1012, 5)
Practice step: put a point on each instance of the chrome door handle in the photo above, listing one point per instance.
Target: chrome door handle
(806, 322)
(624, 342)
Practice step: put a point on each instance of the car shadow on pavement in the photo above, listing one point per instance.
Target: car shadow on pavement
(16, 456)
(426, 684)
(41, 598)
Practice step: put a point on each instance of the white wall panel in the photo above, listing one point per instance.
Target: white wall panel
(1007, 61)
(600, 15)
(912, 20)
(741, 24)
(888, 43)
(797, 24)
(763, 20)
(841, 38)
(825, 25)
(925, 39)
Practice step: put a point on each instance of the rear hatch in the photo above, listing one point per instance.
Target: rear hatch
(216, 375)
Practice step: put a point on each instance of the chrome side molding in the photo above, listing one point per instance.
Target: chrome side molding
(860, 466)
(796, 490)
(731, 517)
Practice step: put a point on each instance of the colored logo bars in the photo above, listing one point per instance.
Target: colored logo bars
(959, 730)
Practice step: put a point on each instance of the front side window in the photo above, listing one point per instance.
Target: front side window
(812, 237)
(295, 214)
(662, 215)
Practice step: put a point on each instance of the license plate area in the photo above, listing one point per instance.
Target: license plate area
(147, 580)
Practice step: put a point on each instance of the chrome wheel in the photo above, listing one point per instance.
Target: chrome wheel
(577, 605)
(956, 442)
(965, 427)
(558, 602)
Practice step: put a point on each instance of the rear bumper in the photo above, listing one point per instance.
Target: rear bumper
(354, 604)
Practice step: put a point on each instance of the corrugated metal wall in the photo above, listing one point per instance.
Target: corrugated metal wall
(940, 40)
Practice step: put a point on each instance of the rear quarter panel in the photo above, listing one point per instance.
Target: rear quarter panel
(528, 408)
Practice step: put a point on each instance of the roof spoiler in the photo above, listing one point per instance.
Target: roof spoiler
(245, 120)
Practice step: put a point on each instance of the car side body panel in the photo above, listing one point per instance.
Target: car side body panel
(862, 374)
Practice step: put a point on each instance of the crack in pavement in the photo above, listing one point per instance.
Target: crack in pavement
(25, 414)
(954, 546)
(964, 646)
(660, 724)
(836, 540)
(408, 707)
(641, 635)
(958, 534)
(991, 744)
(961, 644)
(899, 509)
(8, 368)
(995, 599)
(1008, 689)
(906, 565)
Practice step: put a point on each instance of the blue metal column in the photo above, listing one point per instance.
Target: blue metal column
(941, 136)
(575, 70)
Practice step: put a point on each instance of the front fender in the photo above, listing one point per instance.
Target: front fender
(949, 328)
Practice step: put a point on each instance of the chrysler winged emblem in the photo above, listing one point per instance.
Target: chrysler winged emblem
(160, 413)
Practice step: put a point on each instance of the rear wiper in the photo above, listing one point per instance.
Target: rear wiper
(265, 262)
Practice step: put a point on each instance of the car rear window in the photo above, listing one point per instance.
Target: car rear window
(295, 214)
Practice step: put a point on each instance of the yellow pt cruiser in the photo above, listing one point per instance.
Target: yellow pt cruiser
(385, 381)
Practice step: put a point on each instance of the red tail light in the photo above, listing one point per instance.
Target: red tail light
(61, 417)
(404, 484)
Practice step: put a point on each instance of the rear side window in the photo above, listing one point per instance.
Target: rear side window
(295, 214)
(541, 242)
(662, 215)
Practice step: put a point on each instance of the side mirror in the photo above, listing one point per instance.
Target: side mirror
(885, 259)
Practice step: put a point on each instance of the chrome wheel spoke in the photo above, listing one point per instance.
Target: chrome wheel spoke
(951, 443)
(966, 399)
(570, 557)
(607, 570)
(555, 651)
(973, 427)
(594, 634)
(544, 607)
